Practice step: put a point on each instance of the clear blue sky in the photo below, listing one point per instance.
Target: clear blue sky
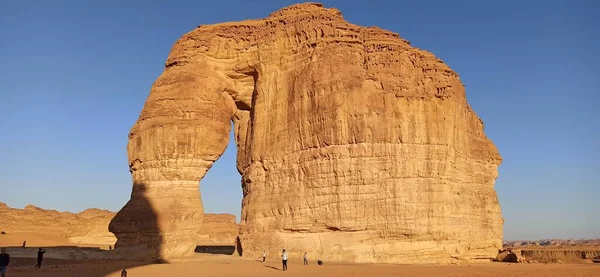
(76, 74)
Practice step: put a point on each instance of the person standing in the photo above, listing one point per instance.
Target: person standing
(264, 256)
(4, 261)
(40, 257)
(305, 259)
(24, 242)
(124, 273)
(284, 259)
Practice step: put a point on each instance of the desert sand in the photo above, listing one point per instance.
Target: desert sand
(64, 259)
(240, 267)
(206, 265)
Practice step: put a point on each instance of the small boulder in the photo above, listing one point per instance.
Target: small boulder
(510, 256)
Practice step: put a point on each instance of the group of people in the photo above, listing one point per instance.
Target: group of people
(284, 258)
(5, 260)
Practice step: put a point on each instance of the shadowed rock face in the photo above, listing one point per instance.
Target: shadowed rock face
(352, 144)
(91, 226)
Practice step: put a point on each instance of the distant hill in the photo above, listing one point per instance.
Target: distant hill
(91, 226)
(553, 243)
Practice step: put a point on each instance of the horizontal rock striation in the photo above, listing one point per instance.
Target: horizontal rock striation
(218, 229)
(352, 145)
(91, 225)
(554, 255)
(87, 227)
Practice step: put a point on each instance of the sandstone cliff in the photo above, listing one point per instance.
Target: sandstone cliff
(87, 227)
(352, 145)
(218, 229)
(91, 226)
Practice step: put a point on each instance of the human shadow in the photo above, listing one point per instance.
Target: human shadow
(67, 261)
(272, 267)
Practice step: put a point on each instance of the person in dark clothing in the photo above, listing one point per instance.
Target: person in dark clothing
(24, 242)
(124, 273)
(41, 252)
(284, 259)
(4, 261)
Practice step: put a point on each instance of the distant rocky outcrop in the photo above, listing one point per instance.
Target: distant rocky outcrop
(553, 243)
(218, 229)
(509, 256)
(88, 227)
(91, 226)
(550, 250)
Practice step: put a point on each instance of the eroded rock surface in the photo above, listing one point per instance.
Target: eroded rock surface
(91, 225)
(352, 145)
(218, 229)
(87, 227)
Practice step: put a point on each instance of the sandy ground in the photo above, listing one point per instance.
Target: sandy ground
(40, 240)
(33, 239)
(230, 266)
(71, 261)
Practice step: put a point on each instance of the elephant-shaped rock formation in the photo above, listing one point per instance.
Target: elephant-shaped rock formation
(352, 145)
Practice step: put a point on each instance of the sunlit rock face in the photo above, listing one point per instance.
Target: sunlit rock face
(352, 145)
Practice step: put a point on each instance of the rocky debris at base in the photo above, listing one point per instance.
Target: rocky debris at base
(510, 256)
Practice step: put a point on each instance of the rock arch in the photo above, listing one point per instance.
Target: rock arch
(352, 145)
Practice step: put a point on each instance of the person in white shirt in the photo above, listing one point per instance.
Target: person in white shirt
(284, 259)
(305, 259)
(264, 256)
